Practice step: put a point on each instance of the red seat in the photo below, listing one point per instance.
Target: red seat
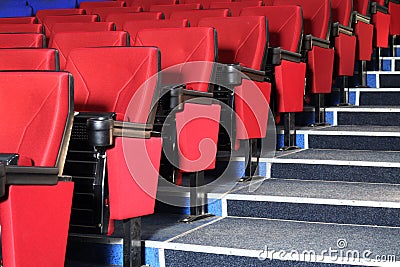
(58, 12)
(21, 28)
(121, 81)
(85, 5)
(29, 59)
(49, 21)
(394, 8)
(235, 7)
(381, 19)
(363, 29)
(18, 20)
(66, 41)
(120, 18)
(168, 9)
(205, 3)
(36, 209)
(82, 27)
(103, 12)
(146, 4)
(195, 15)
(22, 40)
(133, 27)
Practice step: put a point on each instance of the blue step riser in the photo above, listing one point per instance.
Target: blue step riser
(314, 213)
(368, 118)
(354, 142)
(336, 173)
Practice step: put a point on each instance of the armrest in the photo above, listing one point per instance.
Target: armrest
(231, 75)
(310, 41)
(395, 1)
(179, 95)
(16, 175)
(375, 8)
(356, 17)
(276, 54)
(339, 28)
(2, 179)
(9, 159)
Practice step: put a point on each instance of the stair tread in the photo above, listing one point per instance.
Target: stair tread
(360, 129)
(304, 191)
(365, 109)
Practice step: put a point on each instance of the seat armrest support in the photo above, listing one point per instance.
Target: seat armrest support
(375, 8)
(310, 41)
(18, 175)
(276, 54)
(9, 159)
(339, 28)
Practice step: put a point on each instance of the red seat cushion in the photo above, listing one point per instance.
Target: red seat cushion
(22, 40)
(195, 15)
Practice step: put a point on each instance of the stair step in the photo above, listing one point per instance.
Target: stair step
(364, 115)
(374, 96)
(234, 241)
(383, 79)
(338, 165)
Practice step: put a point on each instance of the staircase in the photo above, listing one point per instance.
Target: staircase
(335, 202)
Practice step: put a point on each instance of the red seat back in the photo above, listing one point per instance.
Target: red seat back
(341, 11)
(195, 15)
(146, 4)
(82, 27)
(85, 5)
(18, 20)
(119, 19)
(205, 3)
(168, 9)
(316, 16)
(285, 25)
(181, 46)
(29, 59)
(235, 7)
(58, 12)
(361, 6)
(103, 12)
(241, 40)
(66, 41)
(21, 28)
(35, 131)
(133, 27)
(50, 21)
(22, 40)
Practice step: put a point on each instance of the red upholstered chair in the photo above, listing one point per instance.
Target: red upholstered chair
(58, 12)
(85, 5)
(195, 15)
(243, 41)
(21, 28)
(103, 12)
(195, 149)
(285, 26)
(22, 40)
(316, 48)
(120, 18)
(380, 15)
(168, 9)
(50, 21)
(235, 7)
(82, 27)
(64, 42)
(344, 41)
(18, 20)
(29, 59)
(116, 89)
(146, 4)
(36, 204)
(133, 27)
(394, 29)
(205, 3)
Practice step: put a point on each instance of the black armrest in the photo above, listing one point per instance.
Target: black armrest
(375, 8)
(339, 28)
(18, 175)
(395, 1)
(9, 159)
(276, 54)
(2, 179)
(356, 17)
(179, 95)
(232, 74)
(310, 41)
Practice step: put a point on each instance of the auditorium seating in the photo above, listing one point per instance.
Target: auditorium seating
(36, 206)
(120, 18)
(18, 20)
(15, 11)
(29, 59)
(146, 4)
(82, 27)
(92, 4)
(192, 151)
(50, 21)
(204, 3)
(167, 10)
(51, 4)
(21, 28)
(195, 15)
(58, 12)
(285, 63)
(115, 94)
(103, 12)
(64, 42)
(22, 40)
(235, 7)
(133, 27)
(243, 41)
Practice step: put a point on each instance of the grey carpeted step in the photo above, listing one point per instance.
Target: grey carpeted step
(374, 96)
